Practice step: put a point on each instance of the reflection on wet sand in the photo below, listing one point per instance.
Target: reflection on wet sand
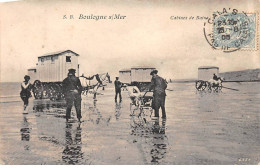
(42, 107)
(25, 132)
(159, 142)
(94, 112)
(57, 109)
(153, 134)
(117, 110)
(72, 154)
(201, 129)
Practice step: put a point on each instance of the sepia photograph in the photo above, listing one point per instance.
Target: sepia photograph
(120, 82)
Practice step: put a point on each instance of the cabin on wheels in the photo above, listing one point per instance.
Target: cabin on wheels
(51, 70)
(137, 76)
(141, 74)
(205, 73)
(32, 73)
(125, 76)
(54, 67)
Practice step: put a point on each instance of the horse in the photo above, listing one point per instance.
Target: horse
(216, 84)
(94, 82)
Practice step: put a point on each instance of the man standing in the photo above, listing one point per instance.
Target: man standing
(158, 85)
(72, 91)
(118, 85)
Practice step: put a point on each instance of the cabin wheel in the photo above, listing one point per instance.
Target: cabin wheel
(200, 85)
(37, 89)
(53, 92)
(218, 87)
(209, 86)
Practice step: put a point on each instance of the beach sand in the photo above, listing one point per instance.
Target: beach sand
(201, 128)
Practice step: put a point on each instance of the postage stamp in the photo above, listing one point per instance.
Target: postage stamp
(231, 30)
(235, 31)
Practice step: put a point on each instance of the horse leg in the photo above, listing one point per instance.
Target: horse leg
(95, 96)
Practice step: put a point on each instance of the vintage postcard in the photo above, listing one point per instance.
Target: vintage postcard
(119, 82)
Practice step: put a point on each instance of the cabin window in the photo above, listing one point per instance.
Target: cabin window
(52, 59)
(68, 58)
(42, 59)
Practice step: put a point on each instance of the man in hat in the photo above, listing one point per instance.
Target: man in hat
(72, 89)
(158, 85)
(118, 86)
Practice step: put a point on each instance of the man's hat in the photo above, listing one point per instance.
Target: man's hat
(117, 77)
(73, 71)
(27, 77)
(154, 72)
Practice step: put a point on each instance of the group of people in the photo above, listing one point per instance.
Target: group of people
(72, 88)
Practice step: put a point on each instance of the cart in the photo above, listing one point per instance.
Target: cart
(205, 79)
(139, 100)
(209, 85)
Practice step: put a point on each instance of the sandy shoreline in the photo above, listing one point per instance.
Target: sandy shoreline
(215, 128)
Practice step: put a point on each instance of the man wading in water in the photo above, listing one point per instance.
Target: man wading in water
(72, 91)
(158, 85)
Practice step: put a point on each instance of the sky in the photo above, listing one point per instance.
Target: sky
(145, 37)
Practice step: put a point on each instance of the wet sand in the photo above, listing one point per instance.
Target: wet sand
(201, 128)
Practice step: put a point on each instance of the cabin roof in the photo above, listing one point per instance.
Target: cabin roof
(125, 70)
(58, 53)
(142, 67)
(208, 67)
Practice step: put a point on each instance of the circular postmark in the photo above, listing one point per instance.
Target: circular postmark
(232, 31)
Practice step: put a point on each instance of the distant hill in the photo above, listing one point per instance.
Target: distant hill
(242, 76)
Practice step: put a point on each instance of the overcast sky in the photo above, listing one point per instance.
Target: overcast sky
(147, 36)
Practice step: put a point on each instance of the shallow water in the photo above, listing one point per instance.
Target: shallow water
(201, 128)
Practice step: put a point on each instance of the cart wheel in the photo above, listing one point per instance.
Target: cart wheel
(60, 94)
(54, 91)
(209, 86)
(200, 85)
(219, 86)
(37, 89)
(37, 94)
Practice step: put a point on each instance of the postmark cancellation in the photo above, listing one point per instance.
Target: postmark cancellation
(232, 31)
